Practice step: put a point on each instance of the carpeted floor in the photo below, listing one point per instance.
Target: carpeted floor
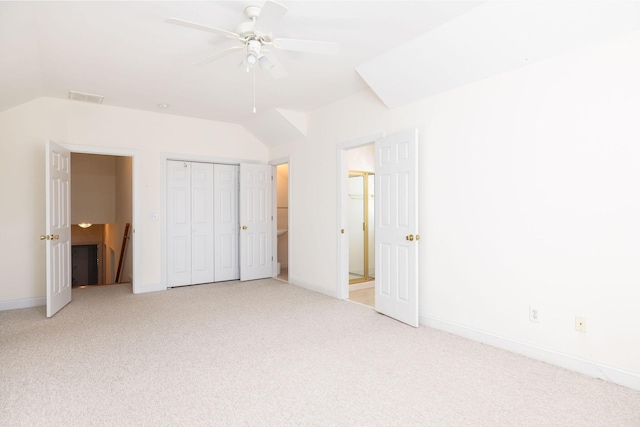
(266, 353)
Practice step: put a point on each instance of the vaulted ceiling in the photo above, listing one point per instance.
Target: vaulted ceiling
(402, 50)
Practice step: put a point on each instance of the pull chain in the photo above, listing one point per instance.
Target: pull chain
(254, 90)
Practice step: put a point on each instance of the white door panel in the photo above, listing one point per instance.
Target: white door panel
(58, 227)
(396, 227)
(256, 221)
(178, 223)
(181, 259)
(226, 222)
(202, 266)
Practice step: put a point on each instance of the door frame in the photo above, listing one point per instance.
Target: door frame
(135, 195)
(342, 180)
(274, 197)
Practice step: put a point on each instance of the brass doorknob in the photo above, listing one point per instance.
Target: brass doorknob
(244, 227)
(410, 237)
(56, 237)
(417, 237)
(43, 237)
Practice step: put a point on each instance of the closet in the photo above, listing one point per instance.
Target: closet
(205, 240)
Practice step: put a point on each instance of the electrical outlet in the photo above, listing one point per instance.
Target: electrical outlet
(535, 315)
(581, 324)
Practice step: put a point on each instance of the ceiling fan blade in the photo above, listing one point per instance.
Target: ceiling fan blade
(182, 23)
(270, 15)
(270, 63)
(217, 55)
(309, 46)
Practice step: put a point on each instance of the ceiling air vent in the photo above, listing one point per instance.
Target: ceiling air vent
(85, 97)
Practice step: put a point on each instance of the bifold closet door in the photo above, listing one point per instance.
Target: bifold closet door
(202, 257)
(178, 223)
(226, 225)
(189, 223)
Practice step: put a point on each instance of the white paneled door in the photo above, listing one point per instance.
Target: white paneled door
(178, 223)
(58, 227)
(225, 183)
(202, 266)
(256, 221)
(396, 227)
(189, 223)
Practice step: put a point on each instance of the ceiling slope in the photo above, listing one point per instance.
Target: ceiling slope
(20, 70)
(273, 128)
(490, 39)
(126, 52)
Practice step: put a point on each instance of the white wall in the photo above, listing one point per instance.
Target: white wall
(528, 196)
(93, 189)
(23, 131)
(362, 159)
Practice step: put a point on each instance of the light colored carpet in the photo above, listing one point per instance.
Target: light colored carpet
(266, 353)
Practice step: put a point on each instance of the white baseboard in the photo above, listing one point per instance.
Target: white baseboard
(313, 287)
(22, 303)
(150, 287)
(577, 364)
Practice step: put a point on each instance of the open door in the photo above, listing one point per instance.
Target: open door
(58, 227)
(256, 221)
(396, 227)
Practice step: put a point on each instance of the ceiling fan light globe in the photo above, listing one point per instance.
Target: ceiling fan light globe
(252, 59)
(265, 64)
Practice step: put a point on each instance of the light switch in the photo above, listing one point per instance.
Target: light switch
(153, 216)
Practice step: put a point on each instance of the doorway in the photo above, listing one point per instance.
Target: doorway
(396, 235)
(282, 221)
(121, 179)
(361, 227)
(360, 205)
(101, 209)
(58, 222)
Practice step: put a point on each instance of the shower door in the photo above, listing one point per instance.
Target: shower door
(361, 229)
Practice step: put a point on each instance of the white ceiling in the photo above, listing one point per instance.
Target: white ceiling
(126, 52)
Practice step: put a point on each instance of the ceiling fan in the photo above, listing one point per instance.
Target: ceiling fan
(255, 39)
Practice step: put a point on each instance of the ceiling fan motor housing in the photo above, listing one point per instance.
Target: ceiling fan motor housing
(252, 12)
(245, 29)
